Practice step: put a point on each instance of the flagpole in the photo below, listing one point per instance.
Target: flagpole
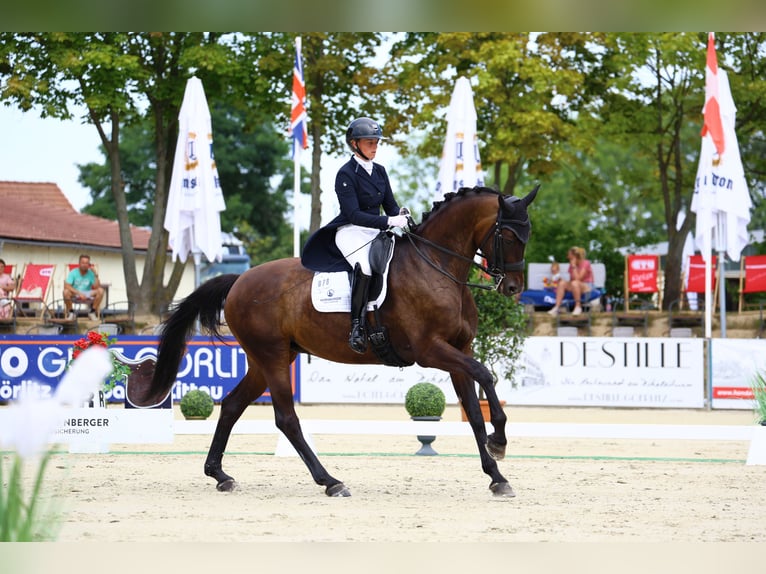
(299, 134)
(296, 193)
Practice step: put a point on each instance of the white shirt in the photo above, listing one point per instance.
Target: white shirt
(366, 164)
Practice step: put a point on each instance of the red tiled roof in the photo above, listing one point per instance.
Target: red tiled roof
(41, 212)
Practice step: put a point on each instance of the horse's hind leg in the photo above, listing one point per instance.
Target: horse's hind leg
(286, 420)
(233, 405)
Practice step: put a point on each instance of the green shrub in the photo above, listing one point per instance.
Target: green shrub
(758, 384)
(500, 333)
(425, 400)
(196, 403)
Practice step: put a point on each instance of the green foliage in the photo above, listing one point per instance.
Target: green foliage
(758, 384)
(425, 400)
(22, 517)
(196, 403)
(500, 334)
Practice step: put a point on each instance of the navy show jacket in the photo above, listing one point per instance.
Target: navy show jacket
(360, 196)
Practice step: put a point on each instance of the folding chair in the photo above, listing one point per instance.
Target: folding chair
(9, 323)
(642, 276)
(696, 277)
(752, 276)
(34, 288)
(694, 284)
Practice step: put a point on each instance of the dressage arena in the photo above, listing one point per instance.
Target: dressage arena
(567, 490)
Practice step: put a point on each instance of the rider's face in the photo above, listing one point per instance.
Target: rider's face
(368, 146)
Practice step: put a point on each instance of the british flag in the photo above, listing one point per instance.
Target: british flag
(298, 117)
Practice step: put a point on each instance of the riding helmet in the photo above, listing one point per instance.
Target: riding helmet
(363, 128)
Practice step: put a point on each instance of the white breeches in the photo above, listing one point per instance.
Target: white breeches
(354, 243)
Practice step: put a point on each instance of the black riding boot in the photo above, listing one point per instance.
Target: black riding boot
(360, 284)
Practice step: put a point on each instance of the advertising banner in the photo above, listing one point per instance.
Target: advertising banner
(735, 363)
(327, 382)
(610, 372)
(555, 371)
(37, 363)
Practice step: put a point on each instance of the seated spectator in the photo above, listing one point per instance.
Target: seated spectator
(553, 281)
(580, 280)
(7, 287)
(82, 286)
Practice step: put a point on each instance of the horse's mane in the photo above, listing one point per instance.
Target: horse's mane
(463, 191)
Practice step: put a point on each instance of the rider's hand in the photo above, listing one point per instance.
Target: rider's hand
(398, 221)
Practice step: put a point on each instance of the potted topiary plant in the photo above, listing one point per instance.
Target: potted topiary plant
(425, 402)
(758, 385)
(196, 405)
(757, 452)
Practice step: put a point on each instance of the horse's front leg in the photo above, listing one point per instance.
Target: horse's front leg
(487, 445)
(464, 370)
(286, 420)
(233, 405)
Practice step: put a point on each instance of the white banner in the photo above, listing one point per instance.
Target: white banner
(735, 363)
(110, 426)
(609, 372)
(556, 371)
(327, 382)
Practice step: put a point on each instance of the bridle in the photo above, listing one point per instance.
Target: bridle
(497, 266)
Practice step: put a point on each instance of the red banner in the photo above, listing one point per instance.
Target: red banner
(642, 273)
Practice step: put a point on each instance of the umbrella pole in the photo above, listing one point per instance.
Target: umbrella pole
(722, 292)
(197, 254)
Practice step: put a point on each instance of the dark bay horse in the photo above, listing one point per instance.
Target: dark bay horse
(429, 312)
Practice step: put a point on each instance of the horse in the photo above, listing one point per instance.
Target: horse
(429, 313)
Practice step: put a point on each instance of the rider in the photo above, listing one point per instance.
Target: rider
(362, 187)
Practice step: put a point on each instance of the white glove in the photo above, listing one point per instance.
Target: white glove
(398, 221)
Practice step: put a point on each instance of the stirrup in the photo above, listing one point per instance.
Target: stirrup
(357, 339)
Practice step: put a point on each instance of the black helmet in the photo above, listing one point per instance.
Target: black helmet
(363, 128)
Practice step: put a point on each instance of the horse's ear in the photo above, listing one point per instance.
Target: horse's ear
(530, 197)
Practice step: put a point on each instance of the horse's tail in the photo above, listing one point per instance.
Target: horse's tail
(205, 304)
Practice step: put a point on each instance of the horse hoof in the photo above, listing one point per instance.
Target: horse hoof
(502, 489)
(228, 485)
(496, 451)
(337, 490)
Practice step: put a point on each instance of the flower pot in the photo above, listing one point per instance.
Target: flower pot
(484, 404)
(426, 440)
(756, 455)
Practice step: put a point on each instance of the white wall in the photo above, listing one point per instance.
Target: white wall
(109, 264)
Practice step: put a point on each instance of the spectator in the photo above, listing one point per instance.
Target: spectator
(580, 280)
(7, 287)
(82, 286)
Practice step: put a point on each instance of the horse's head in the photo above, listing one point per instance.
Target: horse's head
(505, 255)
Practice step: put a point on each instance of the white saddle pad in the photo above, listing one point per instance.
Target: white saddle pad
(331, 292)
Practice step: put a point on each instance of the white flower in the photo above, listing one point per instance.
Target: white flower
(32, 420)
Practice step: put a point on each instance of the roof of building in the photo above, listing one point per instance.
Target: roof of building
(41, 212)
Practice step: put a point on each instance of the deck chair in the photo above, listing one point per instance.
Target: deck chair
(752, 276)
(642, 276)
(34, 289)
(8, 323)
(677, 316)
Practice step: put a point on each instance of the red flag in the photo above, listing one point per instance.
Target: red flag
(298, 117)
(712, 110)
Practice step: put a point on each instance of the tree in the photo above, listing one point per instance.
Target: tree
(114, 76)
(247, 158)
(527, 90)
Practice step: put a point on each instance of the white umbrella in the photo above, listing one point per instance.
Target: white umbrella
(460, 164)
(721, 199)
(195, 201)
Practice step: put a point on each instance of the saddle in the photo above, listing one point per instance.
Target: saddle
(331, 293)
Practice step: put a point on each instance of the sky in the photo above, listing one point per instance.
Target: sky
(34, 149)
